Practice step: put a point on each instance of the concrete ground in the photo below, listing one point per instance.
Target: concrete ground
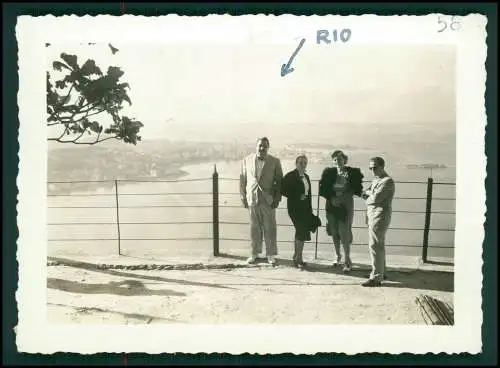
(206, 289)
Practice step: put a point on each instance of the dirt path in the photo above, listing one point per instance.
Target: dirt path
(243, 295)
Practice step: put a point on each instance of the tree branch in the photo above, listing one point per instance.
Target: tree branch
(93, 96)
(64, 132)
(76, 121)
(73, 114)
(67, 95)
(70, 89)
(56, 123)
(87, 115)
(87, 143)
(81, 134)
(56, 113)
(98, 135)
(87, 104)
(84, 111)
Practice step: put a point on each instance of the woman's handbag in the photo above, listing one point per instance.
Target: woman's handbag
(315, 222)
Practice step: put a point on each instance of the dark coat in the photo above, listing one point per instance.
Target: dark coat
(292, 187)
(300, 212)
(328, 178)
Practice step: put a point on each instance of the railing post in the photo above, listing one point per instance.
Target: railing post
(317, 230)
(428, 206)
(118, 217)
(215, 219)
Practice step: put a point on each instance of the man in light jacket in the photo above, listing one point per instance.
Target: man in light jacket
(378, 199)
(260, 181)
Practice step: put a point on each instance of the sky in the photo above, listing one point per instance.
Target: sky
(191, 84)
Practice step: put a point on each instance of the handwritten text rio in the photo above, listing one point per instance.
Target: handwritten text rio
(335, 35)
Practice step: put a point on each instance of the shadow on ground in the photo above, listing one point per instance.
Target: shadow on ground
(407, 278)
(401, 277)
(95, 268)
(122, 288)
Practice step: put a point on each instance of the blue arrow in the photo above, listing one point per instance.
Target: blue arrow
(285, 68)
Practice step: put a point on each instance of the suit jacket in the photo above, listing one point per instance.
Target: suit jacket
(379, 203)
(266, 187)
(382, 194)
(328, 178)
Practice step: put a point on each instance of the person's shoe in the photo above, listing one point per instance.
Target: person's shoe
(302, 265)
(337, 263)
(271, 260)
(252, 260)
(371, 283)
(368, 276)
(347, 268)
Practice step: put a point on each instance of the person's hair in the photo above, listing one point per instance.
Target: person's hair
(264, 140)
(299, 157)
(337, 153)
(379, 161)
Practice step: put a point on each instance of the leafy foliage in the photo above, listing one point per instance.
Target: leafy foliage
(85, 91)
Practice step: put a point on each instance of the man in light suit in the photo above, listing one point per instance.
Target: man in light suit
(260, 191)
(378, 199)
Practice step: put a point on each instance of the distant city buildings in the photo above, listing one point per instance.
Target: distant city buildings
(159, 159)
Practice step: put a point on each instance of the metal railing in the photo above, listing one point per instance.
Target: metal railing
(215, 236)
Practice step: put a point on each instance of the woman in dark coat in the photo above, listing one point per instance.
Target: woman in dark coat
(296, 187)
(338, 185)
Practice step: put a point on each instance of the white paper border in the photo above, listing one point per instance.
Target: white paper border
(35, 335)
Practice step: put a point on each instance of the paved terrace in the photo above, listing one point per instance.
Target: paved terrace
(195, 288)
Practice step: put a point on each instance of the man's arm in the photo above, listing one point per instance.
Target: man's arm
(366, 193)
(278, 178)
(243, 183)
(357, 181)
(384, 191)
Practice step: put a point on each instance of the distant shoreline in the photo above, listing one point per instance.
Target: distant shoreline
(58, 188)
(173, 160)
(426, 166)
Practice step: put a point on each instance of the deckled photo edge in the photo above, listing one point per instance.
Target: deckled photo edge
(28, 260)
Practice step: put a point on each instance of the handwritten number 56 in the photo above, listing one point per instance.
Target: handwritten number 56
(453, 24)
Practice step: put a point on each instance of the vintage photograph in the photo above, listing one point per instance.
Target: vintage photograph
(298, 178)
(204, 157)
